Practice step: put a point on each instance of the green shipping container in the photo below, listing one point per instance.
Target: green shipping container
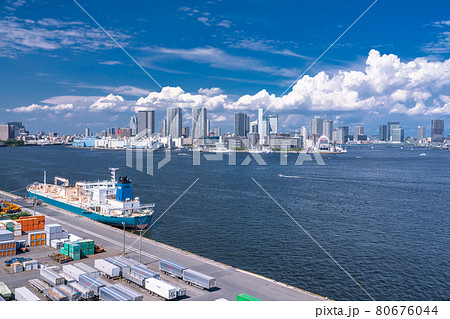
(245, 297)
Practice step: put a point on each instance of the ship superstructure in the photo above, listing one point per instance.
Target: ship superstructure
(108, 201)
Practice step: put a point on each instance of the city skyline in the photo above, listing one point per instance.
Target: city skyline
(233, 63)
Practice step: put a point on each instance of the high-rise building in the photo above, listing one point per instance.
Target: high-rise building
(17, 127)
(437, 131)
(87, 132)
(390, 127)
(317, 127)
(340, 135)
(260, 120)
(199, 122)
(253, 126)
(6, 132)
(146, 123)
(241, 124)
(359, 130)
(208, 127)
(264, 127)
(398, 135)
(185, 131)
(174, 121)
(328, 129)
(133, 125)
(383, 133)
(304, 133)
(421, 134)
(273, 123)
(163, 128)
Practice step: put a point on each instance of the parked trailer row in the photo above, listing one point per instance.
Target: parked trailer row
(117, 261)
(134, 295)
(55, 295)
(107, 268)
(94, 273)
(161, 288)
(24, 294)
(190, 276)
(110, 294)
(91, 283)
(52, 277)
(71, 293)
(85, 292)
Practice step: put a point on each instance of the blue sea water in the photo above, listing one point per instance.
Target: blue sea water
(381, 213)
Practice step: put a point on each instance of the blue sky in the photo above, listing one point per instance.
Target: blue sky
(60, 72)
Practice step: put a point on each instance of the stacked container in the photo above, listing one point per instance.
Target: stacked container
(55, 231)
(86, 247)
(36, 238)
(7, 243)
(71, 249)
(31, 223)
(12, 226)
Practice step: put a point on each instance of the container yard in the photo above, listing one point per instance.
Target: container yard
(67, 266)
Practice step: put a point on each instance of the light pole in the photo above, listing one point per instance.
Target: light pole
(140, 245)
(123, 224)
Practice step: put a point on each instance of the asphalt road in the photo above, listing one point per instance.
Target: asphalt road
(230, 281)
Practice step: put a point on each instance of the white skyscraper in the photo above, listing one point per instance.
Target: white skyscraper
(304, 133)
(174, 121)
(199, 122)
(260, 120)
(328, 129)
(317, 126)
(273, 123)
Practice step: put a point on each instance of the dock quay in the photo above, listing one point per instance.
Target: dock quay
(231, 281)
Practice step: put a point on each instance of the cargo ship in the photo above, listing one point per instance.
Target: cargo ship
(110, 201)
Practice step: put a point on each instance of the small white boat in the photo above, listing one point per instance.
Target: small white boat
(423, 154)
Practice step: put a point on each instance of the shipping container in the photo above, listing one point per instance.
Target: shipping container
(85, 292)
(52, 277)
(138, 280)
(4, 291)
(24, 294)
(94, 273)
(110, 294)
(134, 295)
(171, 268)
(245, 297)
(161, 288)
(143, 272)
(6, 235)
(106, 268)
(198, 279)
(68, 278)
(71, 293)
(55, 295)
(130, 261)
(73, 271)
(180, 291)
(90, 283)
(124, 268)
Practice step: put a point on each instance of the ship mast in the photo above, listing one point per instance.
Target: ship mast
(113, 174)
